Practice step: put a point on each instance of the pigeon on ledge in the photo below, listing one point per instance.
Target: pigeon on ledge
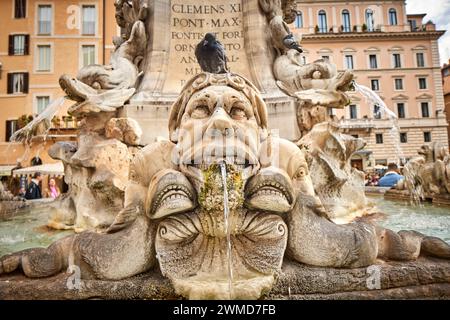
(211, 55)
(290, 43)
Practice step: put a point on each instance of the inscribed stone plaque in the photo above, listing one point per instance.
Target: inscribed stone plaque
(189, 21)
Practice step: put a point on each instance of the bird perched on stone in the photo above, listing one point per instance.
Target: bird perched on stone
(290, 43)
(211, 55)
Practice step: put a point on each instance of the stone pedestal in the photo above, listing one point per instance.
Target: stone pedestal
(425, 278)
(175, 27)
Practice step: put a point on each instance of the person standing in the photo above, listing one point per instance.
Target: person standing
(34, 190)
(391, 177)
(53, 191)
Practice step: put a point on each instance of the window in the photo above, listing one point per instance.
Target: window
(420, 59)
(19, 44)
(397, 61)
(425, 109)
(376, 111)
(11, 127)
(398, 84)
(392, 17)
(413, 25)
(89, 20)
(422, 83)
(17, 82)
(401, 110)
(427, 136)
(382, 162)
(369, 20)
(353, 112)
(375, 84)
(44, 19)
(403, 137)
(373, 61)
(349, 61)
(42, 103)
(379, 138)
(20, 9)
(326, 58)
(44, 58)
(88, 54)
(355, 136)
(346, 26)
(298, 22)
(323, 26)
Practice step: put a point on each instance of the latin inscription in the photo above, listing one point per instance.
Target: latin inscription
(190, 20)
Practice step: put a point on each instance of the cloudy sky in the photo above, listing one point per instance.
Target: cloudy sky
(439, 12)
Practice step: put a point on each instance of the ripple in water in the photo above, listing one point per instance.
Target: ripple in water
(27, 230)
(426, 218)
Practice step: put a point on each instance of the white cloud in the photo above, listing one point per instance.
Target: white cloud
(439, 12)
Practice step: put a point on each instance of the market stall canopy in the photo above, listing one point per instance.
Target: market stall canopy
(50, 169)
(5, 170)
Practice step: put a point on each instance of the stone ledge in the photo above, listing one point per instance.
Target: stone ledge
(426, 278)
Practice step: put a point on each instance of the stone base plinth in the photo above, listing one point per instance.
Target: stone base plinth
(441, 200)
(426, 278)
(394, 194)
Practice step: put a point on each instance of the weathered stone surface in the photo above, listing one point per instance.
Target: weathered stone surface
(425, 278)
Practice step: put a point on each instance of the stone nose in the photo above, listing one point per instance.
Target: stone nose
(220, 121)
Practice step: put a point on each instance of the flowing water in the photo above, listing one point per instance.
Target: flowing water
(375, 100)
(226, 214)
(44, 118)
(27, 229)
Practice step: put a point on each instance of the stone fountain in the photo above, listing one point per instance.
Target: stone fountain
(224, 208)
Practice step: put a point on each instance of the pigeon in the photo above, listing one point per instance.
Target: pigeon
(211, 55)
(290, 43)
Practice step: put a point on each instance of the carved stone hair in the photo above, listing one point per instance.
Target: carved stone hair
(204, 80)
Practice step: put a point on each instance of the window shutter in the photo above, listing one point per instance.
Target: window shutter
(25, 82)
(27, 45)
(16, 9)
(11, 45)
(10, 83)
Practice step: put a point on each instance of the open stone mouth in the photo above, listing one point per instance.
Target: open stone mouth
(170, 193)
(271, 188)
(247, 165)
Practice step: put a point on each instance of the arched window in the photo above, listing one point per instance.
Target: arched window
(298, 20)
(346, 26)
(323, 28)
(369, 20)
(392, 17)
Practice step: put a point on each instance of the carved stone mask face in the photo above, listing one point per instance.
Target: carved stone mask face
(218, 125)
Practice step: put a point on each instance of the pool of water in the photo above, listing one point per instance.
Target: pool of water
(27, 229)
(427, 218)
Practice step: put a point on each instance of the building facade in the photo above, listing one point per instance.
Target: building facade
(446, 86)
(395, 55)
(41, 40)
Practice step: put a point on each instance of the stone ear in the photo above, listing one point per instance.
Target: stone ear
(261, 110)
(173, 118)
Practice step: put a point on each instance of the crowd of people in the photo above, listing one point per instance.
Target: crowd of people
(389, 178)
(33, 189)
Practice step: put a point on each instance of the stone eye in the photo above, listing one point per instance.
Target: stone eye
(238, 113)
(200, 112)
(301, 173)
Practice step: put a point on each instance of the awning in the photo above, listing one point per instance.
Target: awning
(6, 170)
(50, 169)
(364, 152)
